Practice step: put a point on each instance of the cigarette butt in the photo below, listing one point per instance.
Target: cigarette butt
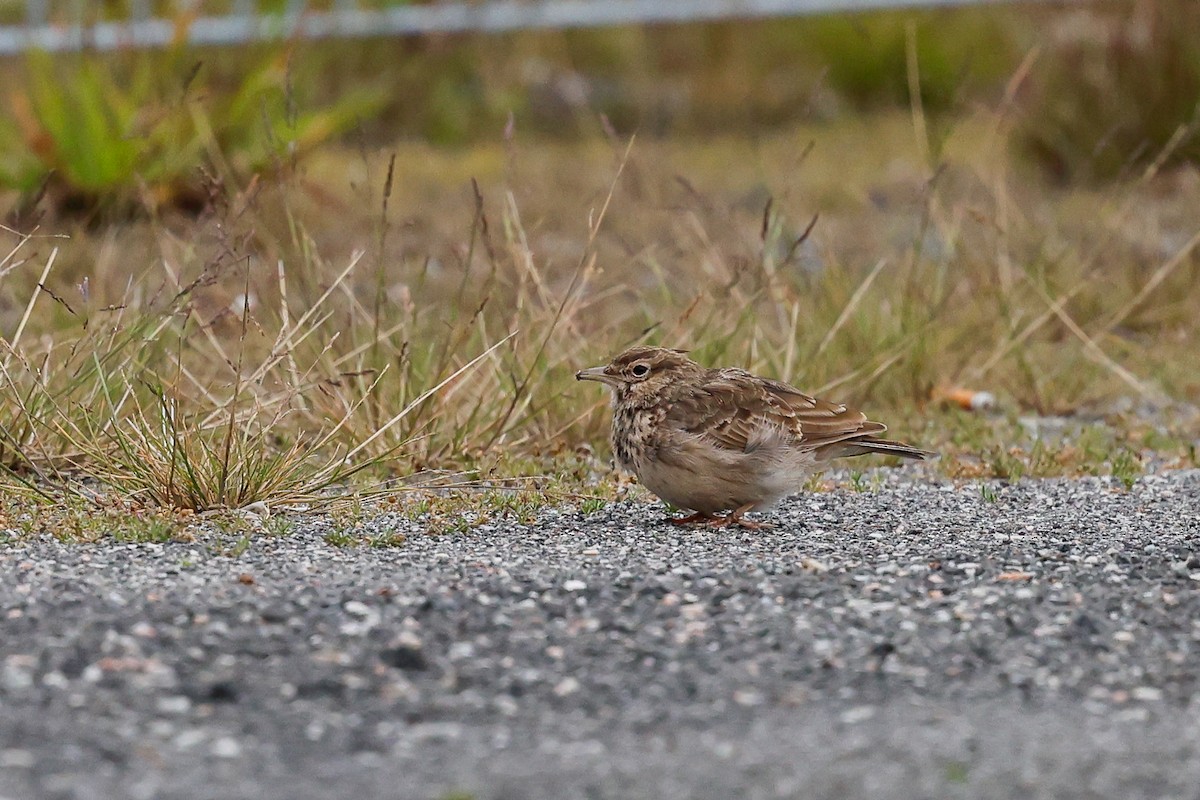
(969, 399)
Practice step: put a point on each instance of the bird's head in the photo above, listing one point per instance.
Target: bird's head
(641, 370)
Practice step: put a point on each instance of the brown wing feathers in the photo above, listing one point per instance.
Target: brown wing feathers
(732, 407)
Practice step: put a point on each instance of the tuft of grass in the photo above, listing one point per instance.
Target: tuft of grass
(341, 538)
(591, 505)
(122, 401)
(139, 131)
(1126, 467)
(387, 539)
(957, 772)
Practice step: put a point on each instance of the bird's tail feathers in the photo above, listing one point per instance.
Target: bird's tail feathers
(869, 444)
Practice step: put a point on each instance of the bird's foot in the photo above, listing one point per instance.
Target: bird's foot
(735, 517)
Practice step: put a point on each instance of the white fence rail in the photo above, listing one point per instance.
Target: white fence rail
(72, 25)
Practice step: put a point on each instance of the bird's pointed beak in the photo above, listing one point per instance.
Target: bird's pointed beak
(596, 374)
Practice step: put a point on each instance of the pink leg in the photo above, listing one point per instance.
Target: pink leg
(734, 518)
(737, 518)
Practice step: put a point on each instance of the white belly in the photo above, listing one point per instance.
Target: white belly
(692, 474)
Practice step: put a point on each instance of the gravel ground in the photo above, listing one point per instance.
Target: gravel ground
(918, 640)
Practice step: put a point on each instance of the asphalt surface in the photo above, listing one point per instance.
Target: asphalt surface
(920, 640)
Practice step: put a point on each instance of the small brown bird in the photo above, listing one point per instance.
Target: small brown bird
(724, 440)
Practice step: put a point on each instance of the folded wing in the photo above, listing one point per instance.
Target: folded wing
(737, 411)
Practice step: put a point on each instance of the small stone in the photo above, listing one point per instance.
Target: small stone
(404, 657)
(506, 705)
(461, 650)
(16, 759)
(16, 678)
(188, 739)
(173, 704)
(574, 585)
(356, 608)
(226, 747)
(143, 630)
(275, 613)
(858, 714)
(408, 638)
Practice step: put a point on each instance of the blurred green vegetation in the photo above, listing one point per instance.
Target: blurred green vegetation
(137, 129)
(1102, 89)
(687, 79)
(1118, 89)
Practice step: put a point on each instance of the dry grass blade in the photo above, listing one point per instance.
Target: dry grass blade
(851, 306)
(583, 266)
(1098, 354)
(9, 262)
(1163, 272)
(426, 395)
(1007, 346)
(15, 343)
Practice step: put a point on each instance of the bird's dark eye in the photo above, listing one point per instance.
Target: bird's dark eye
(640, 370)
